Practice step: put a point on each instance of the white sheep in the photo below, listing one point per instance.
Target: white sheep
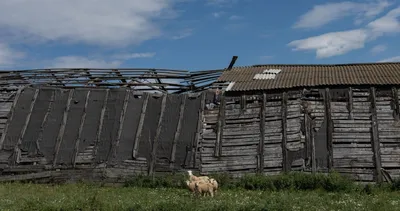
(191, 186)
(204, 187)
(194, 178)
(215, 184)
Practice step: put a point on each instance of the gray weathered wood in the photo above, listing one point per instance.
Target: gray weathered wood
(157, 136)
(178, 130)
(350, 103)
(22, 133)
(121, 121)
(101, 122)
(140, 126)
(199, 129)
(220, 127)
(284, 132)
(243, 102)
(62, 127)
(82, 122)
(44, 122)
(262, 134)
(10, 116)
(396, 105)
(329, 127)
(375, 137)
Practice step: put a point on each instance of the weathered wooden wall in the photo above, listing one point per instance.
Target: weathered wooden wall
(98, 134)
(95, 133)
(353, 131)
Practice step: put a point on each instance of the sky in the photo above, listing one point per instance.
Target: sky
(195, 34)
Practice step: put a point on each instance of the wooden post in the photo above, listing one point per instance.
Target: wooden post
(62, 128)
(22, 134)
(82, 123)
(375, 137)
(10, 116)
(285, 163)
(158, 132)
(140, 126)
(329, 127)
(178, 130)
(243, 102)
(44, 122)
(121, 120)
(350, 103)
(396, 105)
(220, 132)
(101, 122)
(199, 127)
(261, 145)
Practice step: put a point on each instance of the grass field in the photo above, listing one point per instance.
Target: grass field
(18, 196)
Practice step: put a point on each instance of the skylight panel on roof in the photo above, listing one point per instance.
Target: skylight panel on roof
(267, 74)
(272, 71)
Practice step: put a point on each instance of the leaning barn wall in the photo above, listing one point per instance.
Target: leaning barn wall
(83, 133)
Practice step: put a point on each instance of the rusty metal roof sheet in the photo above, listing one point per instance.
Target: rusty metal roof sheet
(253, 77)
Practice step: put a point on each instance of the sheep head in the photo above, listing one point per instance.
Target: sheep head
(190, 172)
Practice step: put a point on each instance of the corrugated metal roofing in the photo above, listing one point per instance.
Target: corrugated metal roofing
(292, 76)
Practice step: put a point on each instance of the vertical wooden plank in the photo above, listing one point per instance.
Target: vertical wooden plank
(221, 122)
(375, 137)
(78, 140)
(313, 156)
(310, 141)
(140, 126)
(329, 127)
(157, 136)
(121, 120)
(199, 128)
(178, 130)
(350, 103)
(101, 122)
(10, 116)
(396, 105)
(243, 102)
(22, 134)
(261, 145)
(285, 164)
(62, 128)
(44, 122)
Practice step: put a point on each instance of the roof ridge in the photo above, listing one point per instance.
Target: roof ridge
(338, 64)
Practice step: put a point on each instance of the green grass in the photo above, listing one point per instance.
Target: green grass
(86, 197)
(293, 191)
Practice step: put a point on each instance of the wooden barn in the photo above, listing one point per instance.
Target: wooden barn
(316, 118)
(109, 125)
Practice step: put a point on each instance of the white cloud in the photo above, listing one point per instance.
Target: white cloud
(91, 21)
(332, 44)
(392, 59)
(389, 23)
(235, 17)
(323, 14)
(134, 55)
(378, 49)
(9, 56)
(339, 43)
(183, 34)
(83, 62)
(217, 14)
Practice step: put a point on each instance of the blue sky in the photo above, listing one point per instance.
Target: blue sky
(195, 34)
